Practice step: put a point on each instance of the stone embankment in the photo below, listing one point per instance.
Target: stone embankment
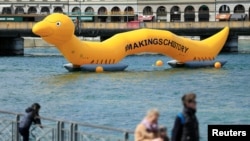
(30, 42)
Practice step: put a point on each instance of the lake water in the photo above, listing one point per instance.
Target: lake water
(121, 99)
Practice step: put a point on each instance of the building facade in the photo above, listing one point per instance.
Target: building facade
(131, 10)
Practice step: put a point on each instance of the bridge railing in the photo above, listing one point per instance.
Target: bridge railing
(165, 25)
(60, 130)
(133, 25)
(16, 25)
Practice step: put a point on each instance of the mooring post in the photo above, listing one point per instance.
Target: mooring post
(73, 131)
(231, 44)
(16, 128)
(60, 131)
(126, 136)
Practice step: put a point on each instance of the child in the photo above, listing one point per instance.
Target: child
(32, 115)
(163, 133)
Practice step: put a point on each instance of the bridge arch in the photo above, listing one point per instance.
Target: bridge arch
(45, 10)
(148, 10)
(89, 11)
(115, 10)
(239, 9)
(204, 13)
(175, 14)
(6, 10)
(102, 14)
(224, 13)
(19, 10)
(239, 13)
(224, 9)
(129, 14)
(102, 11)
(129, 10)
(32, 10)
(161, 13)
(115, 14)
(147, 14)
(189, 14)
(76, 11)
(58, 9)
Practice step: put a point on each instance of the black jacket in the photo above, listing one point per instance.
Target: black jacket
(187, 131)
(30, 117)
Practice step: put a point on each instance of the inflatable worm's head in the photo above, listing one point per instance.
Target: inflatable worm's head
(56, 28)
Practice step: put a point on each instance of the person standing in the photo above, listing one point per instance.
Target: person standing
(147, 129)
(186, 126)
(31, 116)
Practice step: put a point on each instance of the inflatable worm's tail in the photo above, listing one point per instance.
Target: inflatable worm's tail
(217, 41)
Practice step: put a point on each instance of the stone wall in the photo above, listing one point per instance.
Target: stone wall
(35, 42)
(38, 42)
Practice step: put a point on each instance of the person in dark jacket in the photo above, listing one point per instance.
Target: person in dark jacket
(186, 126)
(31, 116)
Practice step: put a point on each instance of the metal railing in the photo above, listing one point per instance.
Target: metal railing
(124, 25)
(167, 25)
(60, 130)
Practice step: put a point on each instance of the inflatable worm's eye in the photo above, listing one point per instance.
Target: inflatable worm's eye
(58, 23)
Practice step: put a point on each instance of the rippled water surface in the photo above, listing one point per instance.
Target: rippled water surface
(120, 99)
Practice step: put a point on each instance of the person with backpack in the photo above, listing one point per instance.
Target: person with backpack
(31, 116)
(186, 125)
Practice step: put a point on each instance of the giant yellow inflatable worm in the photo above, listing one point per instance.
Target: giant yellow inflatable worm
(58, 29)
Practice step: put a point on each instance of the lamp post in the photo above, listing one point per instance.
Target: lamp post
(137, 12)
(68, 7)
(79, 18)
(127, 10)
(80, 8)
(215, 10)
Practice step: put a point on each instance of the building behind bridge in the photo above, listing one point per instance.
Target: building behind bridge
(128, 10)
